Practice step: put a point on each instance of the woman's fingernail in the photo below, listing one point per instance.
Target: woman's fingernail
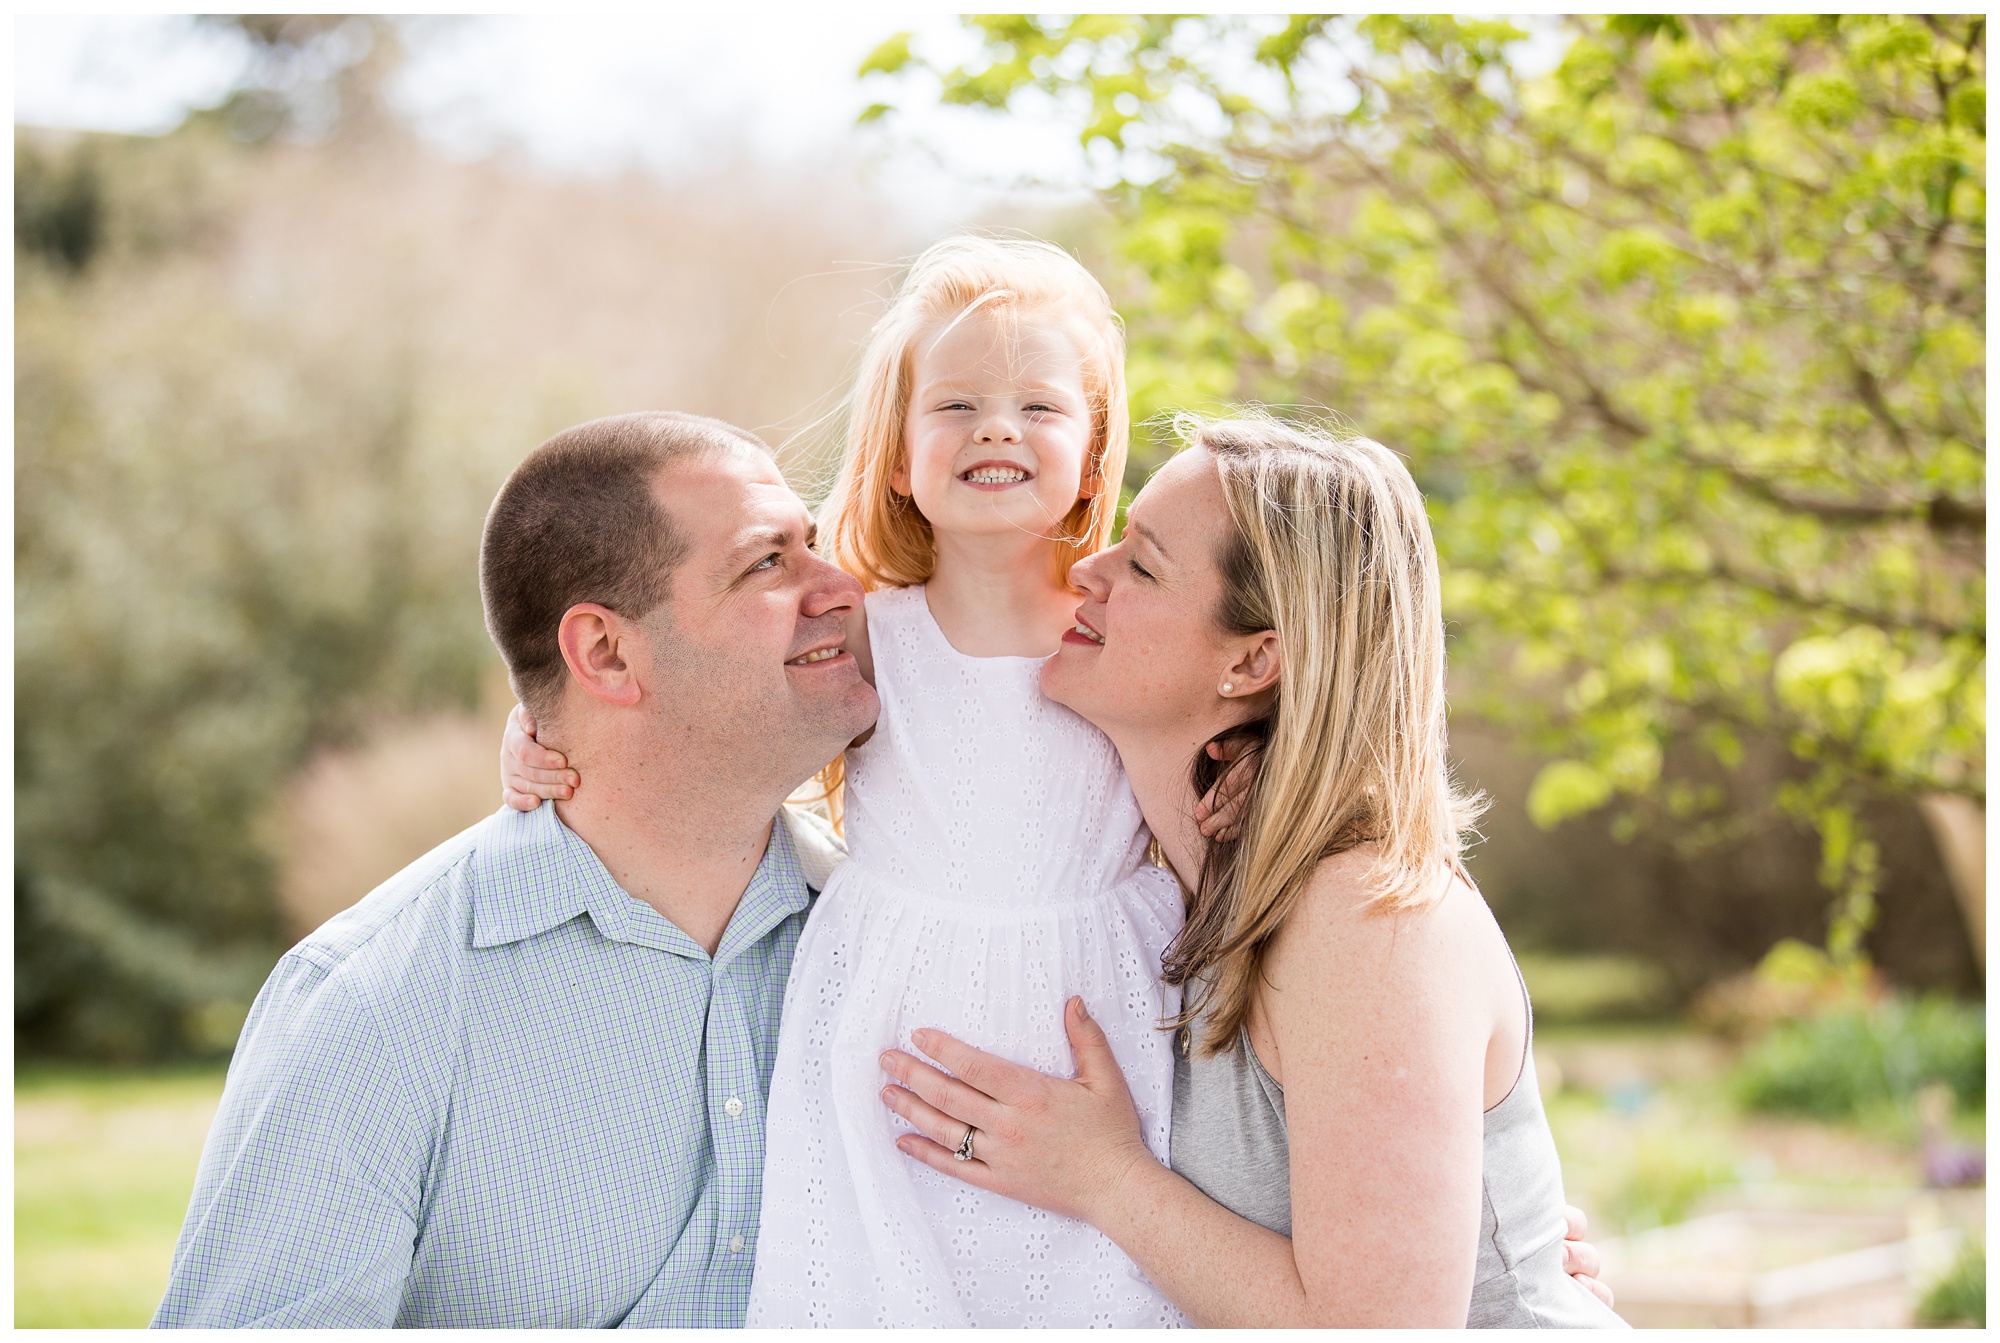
(1081, 1010)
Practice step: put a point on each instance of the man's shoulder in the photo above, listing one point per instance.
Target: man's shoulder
(419, 913)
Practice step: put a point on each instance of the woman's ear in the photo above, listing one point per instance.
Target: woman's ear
(1258, 665)
(594, 640)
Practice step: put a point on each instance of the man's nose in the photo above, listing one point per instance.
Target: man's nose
(829, 588)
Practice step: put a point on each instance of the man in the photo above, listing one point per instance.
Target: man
(522, 1083)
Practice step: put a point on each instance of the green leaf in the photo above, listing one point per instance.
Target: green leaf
(1565, 788)
(889, 57)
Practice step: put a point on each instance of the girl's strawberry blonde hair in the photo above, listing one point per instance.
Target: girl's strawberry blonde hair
(878, 535)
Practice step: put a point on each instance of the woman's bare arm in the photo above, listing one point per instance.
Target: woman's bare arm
(1380, 1034)
(1074, 1147)
(1380, 1024)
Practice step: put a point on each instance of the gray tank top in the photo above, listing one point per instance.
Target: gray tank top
(1229, 1141)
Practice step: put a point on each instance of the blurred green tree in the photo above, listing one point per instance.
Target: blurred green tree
(1684, 338)
(230, 547)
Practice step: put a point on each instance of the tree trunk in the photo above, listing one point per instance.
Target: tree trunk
(1958, 824)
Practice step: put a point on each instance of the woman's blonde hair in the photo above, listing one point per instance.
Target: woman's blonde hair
(1330, 548)
(878, 535)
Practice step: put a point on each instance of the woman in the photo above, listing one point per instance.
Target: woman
(1357, 1136)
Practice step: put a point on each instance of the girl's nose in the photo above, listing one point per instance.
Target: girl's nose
(999, 429)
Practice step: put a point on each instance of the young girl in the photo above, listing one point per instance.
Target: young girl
(998, 859)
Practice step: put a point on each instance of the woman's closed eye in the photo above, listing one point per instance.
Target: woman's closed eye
(1139, 569)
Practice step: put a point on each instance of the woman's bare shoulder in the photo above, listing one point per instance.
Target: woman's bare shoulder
(1339, 916)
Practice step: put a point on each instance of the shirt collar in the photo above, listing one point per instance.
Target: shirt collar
(534, 873)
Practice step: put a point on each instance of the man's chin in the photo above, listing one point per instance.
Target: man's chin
(846, 713)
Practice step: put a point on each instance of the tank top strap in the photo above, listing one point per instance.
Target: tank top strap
(1527, 1003)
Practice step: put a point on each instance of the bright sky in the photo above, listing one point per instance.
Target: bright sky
(589, 92)
(597, 93)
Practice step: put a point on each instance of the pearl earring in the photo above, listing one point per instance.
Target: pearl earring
(1228, 686)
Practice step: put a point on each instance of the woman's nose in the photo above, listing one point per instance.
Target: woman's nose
(1085, 577)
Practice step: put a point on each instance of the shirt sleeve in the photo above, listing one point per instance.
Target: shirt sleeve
(306, 1204)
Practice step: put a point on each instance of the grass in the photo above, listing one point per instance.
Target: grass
(103, 1166)
(1645, 1117)
(1958, 1298)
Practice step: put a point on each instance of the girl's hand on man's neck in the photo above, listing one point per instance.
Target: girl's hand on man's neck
(999, 596)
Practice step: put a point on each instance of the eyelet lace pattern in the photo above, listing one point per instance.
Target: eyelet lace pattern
(998, 866)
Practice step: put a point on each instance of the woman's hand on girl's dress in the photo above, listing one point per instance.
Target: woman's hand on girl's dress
(530, 771)
(1067, 1146)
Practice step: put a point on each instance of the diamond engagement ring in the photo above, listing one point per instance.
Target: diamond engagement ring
(964, 1152)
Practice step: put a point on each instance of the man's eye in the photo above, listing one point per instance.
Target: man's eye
(770, 561)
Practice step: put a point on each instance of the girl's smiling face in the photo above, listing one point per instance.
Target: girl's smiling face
(998, 427)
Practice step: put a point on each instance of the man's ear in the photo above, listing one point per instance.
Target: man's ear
(595, 642)
(1258, 665)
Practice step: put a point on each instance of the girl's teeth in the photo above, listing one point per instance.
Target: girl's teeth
(1089, 633)
(995, 476)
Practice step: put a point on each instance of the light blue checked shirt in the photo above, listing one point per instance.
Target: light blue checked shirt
(499, 1091)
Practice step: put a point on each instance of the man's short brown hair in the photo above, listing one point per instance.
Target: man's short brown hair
(578, 522)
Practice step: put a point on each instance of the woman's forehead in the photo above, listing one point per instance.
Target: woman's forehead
(1178, 480)
(1180, 499)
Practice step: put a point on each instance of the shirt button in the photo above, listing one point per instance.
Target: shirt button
(736, 1244)
(733, 1107)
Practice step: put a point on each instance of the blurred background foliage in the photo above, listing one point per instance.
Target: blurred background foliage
(1684, 338)
(1683, 333)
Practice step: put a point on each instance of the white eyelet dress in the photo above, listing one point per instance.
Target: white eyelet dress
(998, 866)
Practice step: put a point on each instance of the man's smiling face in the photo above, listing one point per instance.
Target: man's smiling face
(750, 646)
